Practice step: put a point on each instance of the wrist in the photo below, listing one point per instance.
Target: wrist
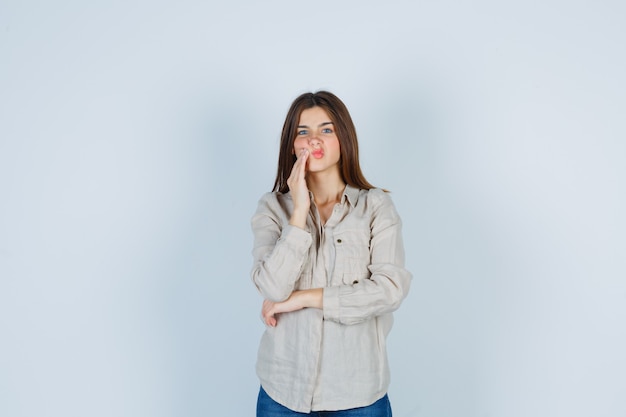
(312, 298)
(298, 218)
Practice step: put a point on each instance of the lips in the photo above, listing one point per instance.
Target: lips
(318, 153)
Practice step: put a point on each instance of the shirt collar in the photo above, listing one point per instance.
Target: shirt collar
(351, 194)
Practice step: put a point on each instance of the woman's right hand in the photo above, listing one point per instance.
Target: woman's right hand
(299, 191)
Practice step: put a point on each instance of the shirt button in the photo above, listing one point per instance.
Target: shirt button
(338, 240)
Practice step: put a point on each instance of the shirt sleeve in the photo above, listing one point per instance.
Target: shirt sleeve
(389, 282)
(279, 250)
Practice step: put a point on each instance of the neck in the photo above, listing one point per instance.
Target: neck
(326, 188)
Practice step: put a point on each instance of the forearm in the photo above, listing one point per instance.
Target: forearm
(277, 267)
(371, 297)
(312, 298)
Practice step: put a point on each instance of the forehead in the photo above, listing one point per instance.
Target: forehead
(313, 116)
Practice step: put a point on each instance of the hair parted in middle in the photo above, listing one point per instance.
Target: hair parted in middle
(344, 128)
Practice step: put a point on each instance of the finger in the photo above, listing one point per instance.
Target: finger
(270, 320)
(304, 157)
(268, 313)
(300, 161)
(295, 169)
(298, 155)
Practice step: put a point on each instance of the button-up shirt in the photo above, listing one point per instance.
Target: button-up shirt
(334, 358)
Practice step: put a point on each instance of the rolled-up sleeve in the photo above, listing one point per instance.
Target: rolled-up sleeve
(388, 284)
(279, 251)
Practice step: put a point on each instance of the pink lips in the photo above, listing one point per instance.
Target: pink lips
(318, 153)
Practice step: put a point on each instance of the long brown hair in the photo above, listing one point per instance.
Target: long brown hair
(346, 133)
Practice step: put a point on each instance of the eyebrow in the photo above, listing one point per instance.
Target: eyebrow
(320, 125)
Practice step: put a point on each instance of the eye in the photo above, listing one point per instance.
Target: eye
(302, 132)
(327, 130)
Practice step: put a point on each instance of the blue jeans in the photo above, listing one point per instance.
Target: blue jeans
(266, 407)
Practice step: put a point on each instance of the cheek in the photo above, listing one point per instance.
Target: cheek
(299, 144)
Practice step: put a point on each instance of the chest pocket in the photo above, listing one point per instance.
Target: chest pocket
(352, 256)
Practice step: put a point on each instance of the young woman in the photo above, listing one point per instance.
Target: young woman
(329, 261)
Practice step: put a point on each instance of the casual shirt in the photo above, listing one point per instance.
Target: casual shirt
(334, 358)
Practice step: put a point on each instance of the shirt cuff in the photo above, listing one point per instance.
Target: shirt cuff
(331, 303)
(298, 236)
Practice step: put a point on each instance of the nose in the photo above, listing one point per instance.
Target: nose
(314, 140)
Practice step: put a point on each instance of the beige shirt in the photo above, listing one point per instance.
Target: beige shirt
(335, 358)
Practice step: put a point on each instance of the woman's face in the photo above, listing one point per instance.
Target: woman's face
(316, 132)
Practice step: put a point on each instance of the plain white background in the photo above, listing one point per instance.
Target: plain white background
(136, 138)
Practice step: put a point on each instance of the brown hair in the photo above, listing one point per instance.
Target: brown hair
(346, 133)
